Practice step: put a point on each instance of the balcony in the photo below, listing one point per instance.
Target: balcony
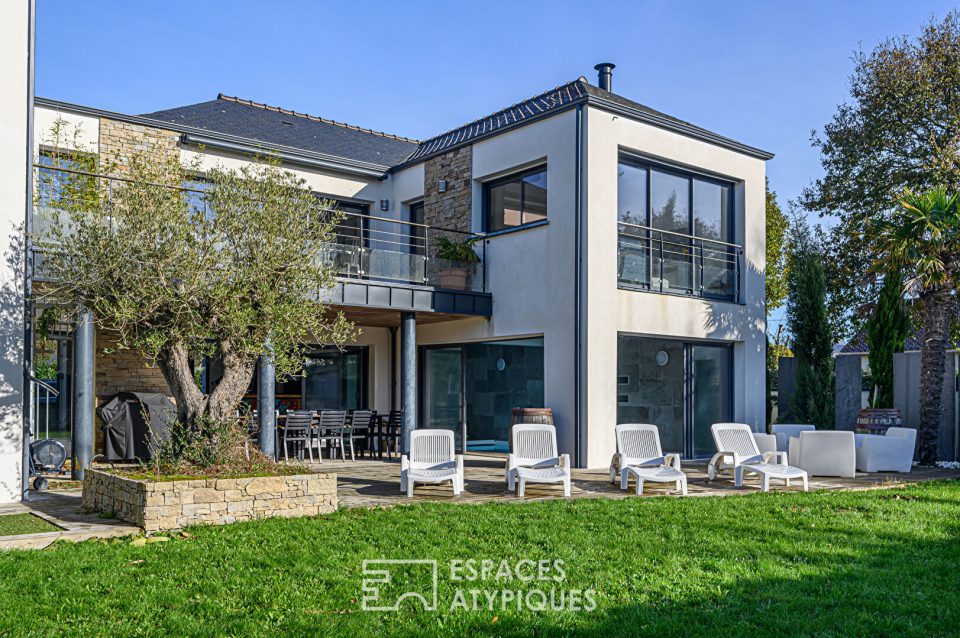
(382, 249)
(378, 261)
(665, 262)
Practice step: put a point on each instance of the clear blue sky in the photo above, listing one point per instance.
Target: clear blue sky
(765, 73)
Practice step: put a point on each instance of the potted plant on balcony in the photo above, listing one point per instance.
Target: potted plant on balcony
(459, 259)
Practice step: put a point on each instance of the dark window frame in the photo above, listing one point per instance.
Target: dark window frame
(500, 181)
(690, 176)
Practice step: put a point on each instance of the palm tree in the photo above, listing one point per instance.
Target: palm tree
(923, 240)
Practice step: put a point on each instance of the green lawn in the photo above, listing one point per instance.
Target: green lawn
(14, 524)
(876, 563)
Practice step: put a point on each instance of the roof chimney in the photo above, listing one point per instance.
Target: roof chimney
(605, 75)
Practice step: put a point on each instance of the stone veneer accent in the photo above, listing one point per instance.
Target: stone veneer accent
(124, 370)
(119, 140)
(159, 506)
(451, 209)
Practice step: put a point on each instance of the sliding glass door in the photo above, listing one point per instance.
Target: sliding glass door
(472, 388)
(682, 388)
(335, 380)
(443, 390)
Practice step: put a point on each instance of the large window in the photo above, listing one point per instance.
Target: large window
(682, 388)
(516, 200)
(676, 230)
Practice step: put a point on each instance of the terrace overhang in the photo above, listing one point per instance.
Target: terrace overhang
(377, 303)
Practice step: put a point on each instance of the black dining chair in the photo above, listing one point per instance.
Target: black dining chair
(361, 429)
(390, 431)
(330, 426)
(298, 430)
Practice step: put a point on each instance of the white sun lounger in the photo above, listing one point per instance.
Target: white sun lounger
(640, 456)
(534, 458)
(432, 460)
(737, 450)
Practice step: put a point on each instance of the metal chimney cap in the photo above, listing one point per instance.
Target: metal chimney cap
(605, 75)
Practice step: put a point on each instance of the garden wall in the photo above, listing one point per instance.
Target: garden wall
(158, 506)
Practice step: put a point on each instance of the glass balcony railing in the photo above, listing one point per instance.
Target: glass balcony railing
(363, 246)
(673, 263)
(379, 248)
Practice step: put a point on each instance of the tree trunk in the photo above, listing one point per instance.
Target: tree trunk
(174, 363)
(237, 374)
(222, 403)
(937, 305)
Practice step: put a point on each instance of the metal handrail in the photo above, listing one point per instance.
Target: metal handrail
(676, 234)
(120, 178)
(356, 240)
(665, 249)
(35, 402)
(43, 384)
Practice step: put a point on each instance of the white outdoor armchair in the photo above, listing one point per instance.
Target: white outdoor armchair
(824, 453)
(737, 450)
(890, 453)
(639, 455)
(533, 458)
(432, 459)
(785, 431)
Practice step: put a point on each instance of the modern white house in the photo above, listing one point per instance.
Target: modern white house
(620, 275)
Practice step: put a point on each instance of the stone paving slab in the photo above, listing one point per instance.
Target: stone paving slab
(376, 483)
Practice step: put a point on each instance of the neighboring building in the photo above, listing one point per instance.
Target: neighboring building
(16, 92)
(622, 274)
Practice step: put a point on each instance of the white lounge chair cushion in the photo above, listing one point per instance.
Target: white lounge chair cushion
(436, 473)
(543, 474)
(661, 474)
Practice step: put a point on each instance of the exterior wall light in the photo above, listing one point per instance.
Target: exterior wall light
(384, 205)
(442, 186)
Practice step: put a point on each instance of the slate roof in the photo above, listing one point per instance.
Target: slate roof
(578, 90)
(282, 127)
(277, 126)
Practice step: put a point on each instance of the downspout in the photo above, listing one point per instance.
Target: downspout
(28, 265)
(579, 395)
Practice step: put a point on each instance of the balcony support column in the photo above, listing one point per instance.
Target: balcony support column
(408, 376)
(83, 397)
(266, 398)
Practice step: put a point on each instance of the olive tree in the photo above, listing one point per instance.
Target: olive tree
(179, 273)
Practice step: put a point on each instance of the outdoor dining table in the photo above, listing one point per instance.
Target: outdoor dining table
(375, 436)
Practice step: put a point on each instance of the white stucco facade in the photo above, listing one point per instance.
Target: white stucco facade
(15, 90)
(611, 311)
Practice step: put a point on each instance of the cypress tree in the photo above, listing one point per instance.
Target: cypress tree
(813, 399)
(887, 331)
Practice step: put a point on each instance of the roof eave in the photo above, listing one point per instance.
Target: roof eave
(483, 136)
(677, 127)
(613, 107)
(234, 143)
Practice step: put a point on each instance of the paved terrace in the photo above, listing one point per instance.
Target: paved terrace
(375, 483)
(371, 483)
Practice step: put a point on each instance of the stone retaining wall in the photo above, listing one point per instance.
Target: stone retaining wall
(158, 506)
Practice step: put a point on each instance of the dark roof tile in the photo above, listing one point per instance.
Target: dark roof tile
(276, 126)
